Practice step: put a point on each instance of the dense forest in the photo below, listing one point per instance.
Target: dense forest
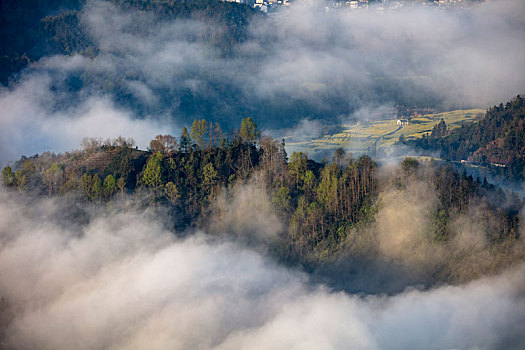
(497, 140)
(327, 210)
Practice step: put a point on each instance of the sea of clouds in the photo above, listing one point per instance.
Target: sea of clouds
(123, 281)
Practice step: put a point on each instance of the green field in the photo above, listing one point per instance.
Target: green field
(359, 137)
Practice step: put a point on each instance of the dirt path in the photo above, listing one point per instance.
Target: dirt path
(392, 132)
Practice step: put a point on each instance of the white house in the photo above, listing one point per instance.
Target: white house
(402, 122)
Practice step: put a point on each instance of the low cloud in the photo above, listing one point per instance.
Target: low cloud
(302, 63)
(33, 121)
(416, 55)
(123, 281)
(245, 211)
(410, 245)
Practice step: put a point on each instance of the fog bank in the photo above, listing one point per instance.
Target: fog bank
(122, 281)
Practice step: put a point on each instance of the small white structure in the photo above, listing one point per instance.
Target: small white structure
(402, 122)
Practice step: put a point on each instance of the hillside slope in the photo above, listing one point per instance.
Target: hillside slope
(33, 29)
(362, 137)
(498, 139)
(344, 217)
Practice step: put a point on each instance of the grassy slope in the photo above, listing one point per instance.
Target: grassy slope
(360, 136)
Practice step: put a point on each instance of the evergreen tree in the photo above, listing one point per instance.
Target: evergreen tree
(86, 182)
(96, 189)
(152, 173)
(8, 177)
(185, 140)
(249, 131)
(110, 186)
(339, 156)
(298, 166)
(209, 178)
(439, 130)
(171, 192)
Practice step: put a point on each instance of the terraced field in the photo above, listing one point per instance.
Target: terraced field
(362, 137)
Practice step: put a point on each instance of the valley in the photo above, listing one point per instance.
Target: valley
(372, 136)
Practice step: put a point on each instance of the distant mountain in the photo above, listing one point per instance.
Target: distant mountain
(498, 140)
(32, 29)
(23, 36)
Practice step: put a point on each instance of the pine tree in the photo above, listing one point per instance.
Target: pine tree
(185, 140)
(249, 131)
(96, 189)
(110, 186)
(152, 173)
(8, 177)
(171, 192)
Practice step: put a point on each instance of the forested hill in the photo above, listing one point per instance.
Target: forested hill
(497, 140)
(31, 29)
(328, 216)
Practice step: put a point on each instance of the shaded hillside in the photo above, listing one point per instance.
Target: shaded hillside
(63, 34)
(33, 29)
(23, 38)
(497, 140)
